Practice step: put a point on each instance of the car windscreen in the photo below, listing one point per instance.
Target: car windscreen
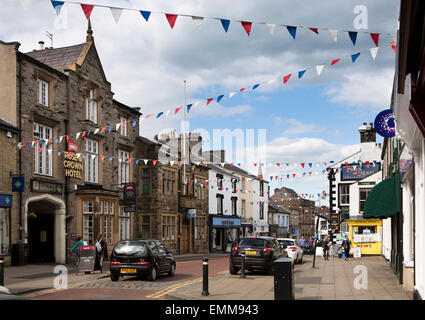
(253, 243)
(288, 243)
(130, 248)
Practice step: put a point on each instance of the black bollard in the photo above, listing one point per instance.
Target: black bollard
(205, 277)
(243, 264)
(1, 272)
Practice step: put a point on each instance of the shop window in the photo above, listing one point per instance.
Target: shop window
(168, 228)
(4, 231)
(92, 161)
(43, 150)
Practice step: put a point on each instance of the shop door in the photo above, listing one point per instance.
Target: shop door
(185, 247)
(41, 238)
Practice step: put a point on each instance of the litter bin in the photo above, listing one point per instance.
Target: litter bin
(284, 279)
(19, 254)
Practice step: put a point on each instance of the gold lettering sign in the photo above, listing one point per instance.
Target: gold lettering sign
(73, 165)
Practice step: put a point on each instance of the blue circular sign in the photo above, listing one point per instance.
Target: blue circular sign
(384, 124)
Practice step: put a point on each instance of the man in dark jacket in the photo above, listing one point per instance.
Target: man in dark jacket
(325, 246)
(346, 244)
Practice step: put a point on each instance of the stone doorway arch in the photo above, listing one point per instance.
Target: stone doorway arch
(59, 223)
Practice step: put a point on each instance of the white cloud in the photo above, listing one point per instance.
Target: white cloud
(364, 89)
(297, 127)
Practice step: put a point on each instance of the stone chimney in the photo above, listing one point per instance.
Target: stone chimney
(367, 133)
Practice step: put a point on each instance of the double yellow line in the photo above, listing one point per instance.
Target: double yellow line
(172, 288)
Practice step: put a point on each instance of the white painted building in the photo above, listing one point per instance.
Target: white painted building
(351, 180)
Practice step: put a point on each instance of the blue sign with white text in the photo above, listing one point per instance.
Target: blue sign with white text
(225, 222)
(357, 172)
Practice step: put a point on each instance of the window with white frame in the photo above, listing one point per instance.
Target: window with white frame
(43, 92)
(362, 196)
(43, 151)
(124, 127)
(124, 224)
(88, 221)
(344, 194)
(91, 107)
(92, 161)
(123, 167)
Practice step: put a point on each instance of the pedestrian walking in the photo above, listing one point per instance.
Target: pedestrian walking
(79, 243)
(310, 245)
(303, 243)
(101, 252)
(346, 244)
(325, 245)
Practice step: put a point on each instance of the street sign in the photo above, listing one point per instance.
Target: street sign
(87, 259)
(130, 193)
(18, 184)
(191, 213)
(130, 209)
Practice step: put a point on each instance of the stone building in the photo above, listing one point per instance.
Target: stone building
(174, 210)
(70, 151)
(8, 200)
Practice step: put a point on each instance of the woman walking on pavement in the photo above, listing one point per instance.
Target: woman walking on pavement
(325, 246)
(346, 244)
(101, 252)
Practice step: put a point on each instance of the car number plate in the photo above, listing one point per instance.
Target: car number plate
(127, 270)
(251, 253)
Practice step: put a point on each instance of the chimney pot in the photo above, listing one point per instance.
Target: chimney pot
(41, 45)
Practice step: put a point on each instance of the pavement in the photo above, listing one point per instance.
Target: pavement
(28, 279)
(366, 278)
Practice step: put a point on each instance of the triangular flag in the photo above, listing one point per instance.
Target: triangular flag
(394, 46)
(87, 10)
(302, 165)
(116, 13)
(134, 123)
(154, 162)
(225, 24)
(247, 26)
(301, 73)
(231, 94)
(353, 36)
(271, 27)
(171, 18)
(145, 161)
(319, 69)
(167, 113)
(145, 14)
(209, 100)
(219, 98)
(188, 107)
(354, 57)
(375, 38)
(58, 6)
(159, 114)
(255, 86)
(334, 61)
(334, 34)
(286, 78)
(315, 30)
(241, 89)
(177, 110)
(292, 31)
(117, 126)
(374, 52)
(198, 21)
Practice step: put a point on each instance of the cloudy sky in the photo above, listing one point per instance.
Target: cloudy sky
(313, 119)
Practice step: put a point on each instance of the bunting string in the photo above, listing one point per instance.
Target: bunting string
(225, 22)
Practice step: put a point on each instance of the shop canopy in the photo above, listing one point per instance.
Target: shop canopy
(383, 200)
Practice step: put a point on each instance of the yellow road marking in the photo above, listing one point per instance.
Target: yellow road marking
(172, 288)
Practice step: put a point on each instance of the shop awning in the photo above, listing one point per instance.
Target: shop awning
(383, 200)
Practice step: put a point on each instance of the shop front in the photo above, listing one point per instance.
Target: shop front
(5, 228)
(224, 233)
(366, 235)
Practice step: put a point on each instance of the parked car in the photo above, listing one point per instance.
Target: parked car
(141, 258)
(295, 252)
(260, 253)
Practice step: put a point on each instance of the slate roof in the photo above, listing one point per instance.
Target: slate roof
(58, 58)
